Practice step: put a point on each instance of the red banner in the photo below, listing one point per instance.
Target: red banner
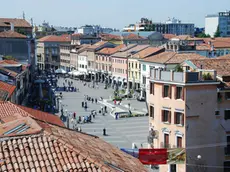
(153, 156)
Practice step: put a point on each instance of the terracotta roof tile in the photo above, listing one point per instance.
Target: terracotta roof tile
(110, 37)
(58, 148)
(16, 22)
(54, 38)
(8, 111)
(224, 57)
(169, 36)
(110, 51)
(97, 45)
(7, 87)
(132, 36)
(204, 47)
(147, 52)
(218, 42)
(172, 57)
(222, 66)
(43, 116)
(11, 34)
(180, 57)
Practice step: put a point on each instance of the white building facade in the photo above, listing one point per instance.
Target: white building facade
(82, 62)
(221, 20)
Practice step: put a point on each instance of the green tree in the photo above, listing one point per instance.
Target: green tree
(9, 58)
(178, 68)
(217, 33)
(203, 35)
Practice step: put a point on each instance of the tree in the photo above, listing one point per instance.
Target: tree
(203, 35)
(178, 68)
(9, 58)
(217, 33)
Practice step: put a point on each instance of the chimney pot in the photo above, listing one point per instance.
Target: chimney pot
(12, 26)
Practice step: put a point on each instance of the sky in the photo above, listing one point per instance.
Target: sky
(107, 13)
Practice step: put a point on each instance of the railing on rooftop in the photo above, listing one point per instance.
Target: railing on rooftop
(183, 77)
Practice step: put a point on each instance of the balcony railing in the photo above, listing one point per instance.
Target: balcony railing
(183, 77)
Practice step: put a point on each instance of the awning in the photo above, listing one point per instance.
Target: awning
(62, 71)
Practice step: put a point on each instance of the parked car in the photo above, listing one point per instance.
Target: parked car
(141, 99)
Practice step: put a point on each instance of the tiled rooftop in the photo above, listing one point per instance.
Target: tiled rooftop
(31, 145)
(147, 52)
(172, 57)
(7, 87)
(132, 36)
(130, 51)
(11, 34)
(16, 22)
(8, 62)
(97, 45)
(8, 109)
(54, 38)
(110, 51)
(218, 42)
(169, 36)
(222, 66)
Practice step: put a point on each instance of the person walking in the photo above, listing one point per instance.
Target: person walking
(96, 100)
(82, 104)
(105, 109)
(74, 115)
(92, 100)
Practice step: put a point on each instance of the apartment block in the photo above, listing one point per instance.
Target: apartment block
(48, 51)
(190, 109)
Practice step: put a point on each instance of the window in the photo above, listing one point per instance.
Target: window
(129, 65)
(217, 112)
(136, 65)
(166, 116)
(152, 88)
(132, 65)
(226, 166)
(179, 93)
(166, 91)
(179, 142)
(172, 167)
(166, 140)
(178, 118)
(151, 114)
(227, 95)
(144, 67)
(227, 114)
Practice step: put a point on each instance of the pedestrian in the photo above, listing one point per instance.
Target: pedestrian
(82, 104)
(96, 100)
(92, 100)
(115, 102)
(85, 108)
(83, 119)
(105, 109)
(94, 115)
(74, 115)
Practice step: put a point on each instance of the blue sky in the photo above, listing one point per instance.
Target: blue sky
(115, 13)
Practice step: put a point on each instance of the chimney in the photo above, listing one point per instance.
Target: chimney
(12, 26)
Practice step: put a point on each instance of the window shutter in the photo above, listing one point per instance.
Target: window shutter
(182, 120)
(175, 92)
(169, 117)
(151, 88)
(162, 115)
(175, 118)
(170, 91)
(183, 90)
(163, 90)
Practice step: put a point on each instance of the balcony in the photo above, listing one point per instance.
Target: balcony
(183, 77)
(227, 151)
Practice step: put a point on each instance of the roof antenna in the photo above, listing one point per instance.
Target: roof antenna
(23, 15)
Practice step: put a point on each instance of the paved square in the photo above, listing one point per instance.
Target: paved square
(122, 132)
